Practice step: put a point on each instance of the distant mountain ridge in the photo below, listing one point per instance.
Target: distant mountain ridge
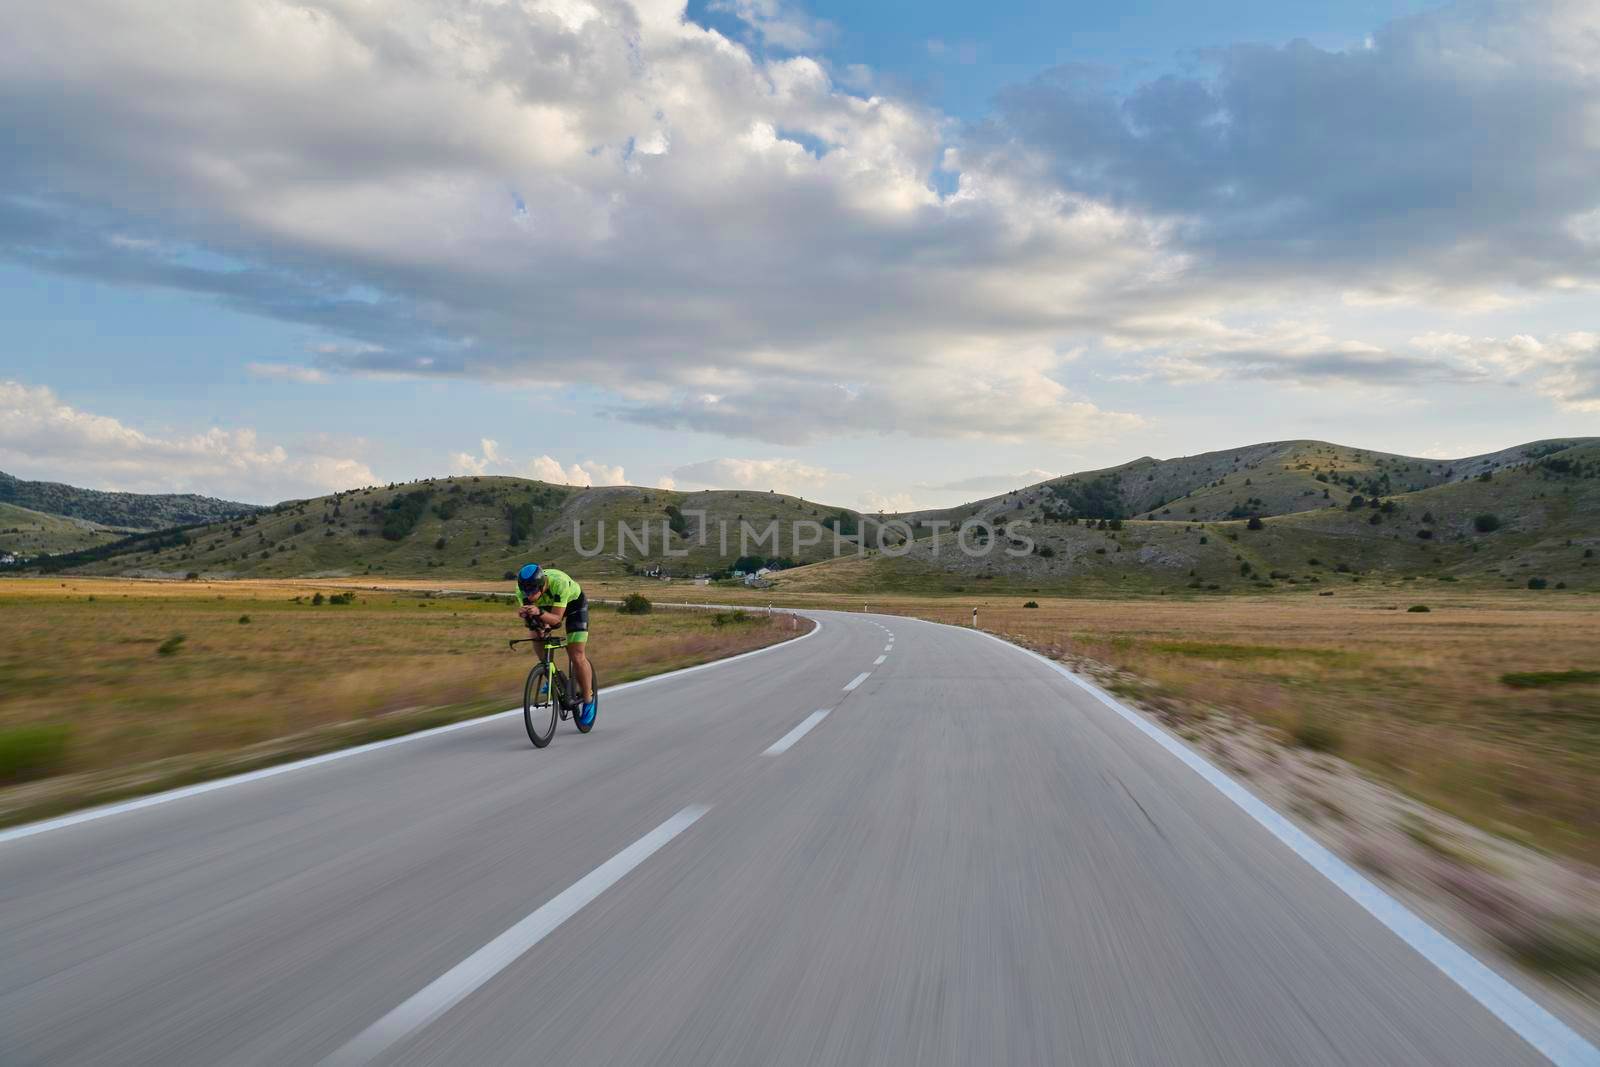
(129, 511)
(1270, 478)
(1289, 512)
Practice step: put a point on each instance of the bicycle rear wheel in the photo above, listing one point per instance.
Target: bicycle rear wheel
(539, 707)
(577, 720)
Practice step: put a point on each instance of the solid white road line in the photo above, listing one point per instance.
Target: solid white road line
(786, 742)
(879, 660)
(1558, 1042)
(460, 981)
(16, 833)
(863, 676)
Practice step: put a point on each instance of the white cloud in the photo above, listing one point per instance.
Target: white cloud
(41, 437)
(989, 483)
(1564, 367)
(781, 475)
(732, 239)
(287, 372)
(889, 503)
(492, 460)
(599, 189)
(1406, 170)
(779, 24)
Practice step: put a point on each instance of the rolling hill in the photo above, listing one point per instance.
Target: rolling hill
(1281, 514)
(33, 533)
(127, 511)
(1537, 518)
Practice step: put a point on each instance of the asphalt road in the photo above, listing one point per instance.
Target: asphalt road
(967, 859)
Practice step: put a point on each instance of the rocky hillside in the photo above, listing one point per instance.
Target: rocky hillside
(129, 511)
(1286, 513)
(1275, 478)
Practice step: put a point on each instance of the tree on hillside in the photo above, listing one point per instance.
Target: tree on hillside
(402, 514)
(1097, 498)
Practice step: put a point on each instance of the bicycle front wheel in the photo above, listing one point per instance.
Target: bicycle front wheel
(539, 707)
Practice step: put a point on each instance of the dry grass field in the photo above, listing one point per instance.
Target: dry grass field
(114, 686)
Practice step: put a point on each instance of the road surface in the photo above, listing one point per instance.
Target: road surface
(924, 848)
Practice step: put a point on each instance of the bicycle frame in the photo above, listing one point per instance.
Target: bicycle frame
(545, 648)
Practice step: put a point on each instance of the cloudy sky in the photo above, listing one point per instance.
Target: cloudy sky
(262, 248)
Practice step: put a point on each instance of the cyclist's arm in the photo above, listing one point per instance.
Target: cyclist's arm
(547, 617)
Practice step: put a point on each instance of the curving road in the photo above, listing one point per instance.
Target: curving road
(924, 848)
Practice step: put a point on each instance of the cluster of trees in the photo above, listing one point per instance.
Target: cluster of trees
(144, 542)
(847, 524)
(401, 515)
(1095, 498)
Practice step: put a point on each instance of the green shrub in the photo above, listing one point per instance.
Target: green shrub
(1537, 583)
(32, 751)
(1486, 523)
(318, 599)
(1418, 608)
(1031, 604)
(1254, 523)
(1545, 679)
(635, 604)
(170, 646)
(192, 576)
(244, 620)
(731, 618)
(1317, 734)
(342, 598)
(1045, 551)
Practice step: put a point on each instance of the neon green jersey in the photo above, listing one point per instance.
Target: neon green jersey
(559, 589)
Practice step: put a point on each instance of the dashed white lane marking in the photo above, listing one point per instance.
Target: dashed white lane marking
(879, 660)
(16, 833)
(889, 647)
(863, 676)
(786, 742)
(460, 981)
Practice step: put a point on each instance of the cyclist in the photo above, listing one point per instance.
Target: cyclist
(548, 597)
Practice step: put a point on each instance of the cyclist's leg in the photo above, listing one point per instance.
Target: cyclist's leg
(577, 646)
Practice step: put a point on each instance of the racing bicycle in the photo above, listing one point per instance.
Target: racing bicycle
(549, 693)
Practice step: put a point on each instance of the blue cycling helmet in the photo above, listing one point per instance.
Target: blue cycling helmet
(530, 578)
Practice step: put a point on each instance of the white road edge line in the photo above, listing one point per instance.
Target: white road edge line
(466, 977)
(880, 659)
(786, 742)
(17, 833)
(857, 680)
(1536, 1025)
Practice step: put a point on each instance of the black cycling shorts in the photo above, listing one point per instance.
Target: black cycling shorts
(577, 615)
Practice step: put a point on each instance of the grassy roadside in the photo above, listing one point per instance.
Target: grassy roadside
(111, 688)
